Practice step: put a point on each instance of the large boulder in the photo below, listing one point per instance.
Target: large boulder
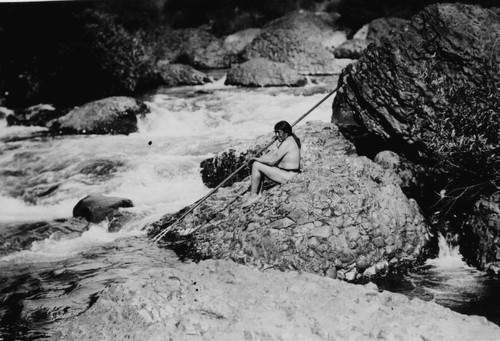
(113, 115)
(343, 216)
(95, 207)
(413, 77)
(180, 74)
(302, 40)
(261, 72)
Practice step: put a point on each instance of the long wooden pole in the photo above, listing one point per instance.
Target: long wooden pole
(160, 235)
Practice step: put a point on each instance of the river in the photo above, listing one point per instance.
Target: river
(158, 169)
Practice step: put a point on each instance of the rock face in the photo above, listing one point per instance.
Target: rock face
(261, 72)
(216, 300)
(95, 208)
(343, 216)
(113, 115)
(301, 39)
(401, 81)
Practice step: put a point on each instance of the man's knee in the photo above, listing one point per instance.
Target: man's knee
(256, 166)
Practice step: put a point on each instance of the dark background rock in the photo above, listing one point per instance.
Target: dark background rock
(401, 80)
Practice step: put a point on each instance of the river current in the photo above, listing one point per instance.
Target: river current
(41, 179)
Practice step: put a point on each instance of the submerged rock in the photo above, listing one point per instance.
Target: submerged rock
(95, 207)
(343, 212)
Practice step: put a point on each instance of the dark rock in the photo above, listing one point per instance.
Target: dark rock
(196, 47)
(398, 82)
(261, 72)
(113, 115)
(180, 74)
(95, 208)
(37, 115)
(216, 169)
(480, 237)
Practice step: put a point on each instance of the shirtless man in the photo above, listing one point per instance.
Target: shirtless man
(280, 166)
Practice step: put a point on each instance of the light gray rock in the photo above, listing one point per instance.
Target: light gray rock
(113, 115)
(261, 72)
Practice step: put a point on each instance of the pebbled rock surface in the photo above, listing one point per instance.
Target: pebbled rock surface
(261, 72)
(112, 115)
(218, 300)
(409, 77)
(344, 216)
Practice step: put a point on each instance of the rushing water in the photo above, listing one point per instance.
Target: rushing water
(157, 168)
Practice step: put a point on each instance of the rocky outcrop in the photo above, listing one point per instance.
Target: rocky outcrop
(261, 72)
(302, 40)
(400, 82)
(343, 216)
(216, 300)
(180, 74)
(113, 115)
(95, 207)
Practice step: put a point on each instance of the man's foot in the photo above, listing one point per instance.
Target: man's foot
(252, 199)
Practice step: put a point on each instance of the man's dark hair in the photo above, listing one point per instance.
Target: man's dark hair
(285, 127)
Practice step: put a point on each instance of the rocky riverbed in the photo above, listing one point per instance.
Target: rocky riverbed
(221, 300)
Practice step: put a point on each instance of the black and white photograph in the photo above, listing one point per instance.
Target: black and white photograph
(254, 170)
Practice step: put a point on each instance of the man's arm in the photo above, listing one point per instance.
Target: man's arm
(274, 157)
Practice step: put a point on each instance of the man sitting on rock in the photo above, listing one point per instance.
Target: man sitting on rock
(280, 166)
